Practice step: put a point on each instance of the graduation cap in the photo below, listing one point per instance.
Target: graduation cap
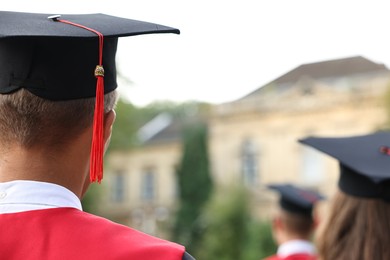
(295, 199)
(364, 162)
(65, 57)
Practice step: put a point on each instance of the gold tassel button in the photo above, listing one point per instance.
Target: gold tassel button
(99, 71)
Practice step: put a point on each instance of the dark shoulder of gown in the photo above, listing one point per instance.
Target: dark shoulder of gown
(187, 256)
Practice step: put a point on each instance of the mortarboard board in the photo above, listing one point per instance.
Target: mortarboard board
(55, 58)
(364, 162)
(296, 199)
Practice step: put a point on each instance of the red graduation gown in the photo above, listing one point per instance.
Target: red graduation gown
(71, 234)
(293, 257)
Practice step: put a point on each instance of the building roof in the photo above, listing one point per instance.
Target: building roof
(154, 127)
(170, 133)
(165, 128)
(327, 69)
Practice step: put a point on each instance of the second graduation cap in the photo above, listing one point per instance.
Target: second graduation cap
(295, 199)
(364, 162)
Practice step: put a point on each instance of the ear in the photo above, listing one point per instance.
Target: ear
(277, 223)
(277, 229)
(316, 221)
(109, 119)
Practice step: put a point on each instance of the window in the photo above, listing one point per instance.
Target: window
(148, 185)
(249, 166)
(118, 187)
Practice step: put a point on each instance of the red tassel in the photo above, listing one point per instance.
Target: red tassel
(97, 147)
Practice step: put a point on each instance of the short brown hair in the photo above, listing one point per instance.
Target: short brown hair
(297, 224)
(356, 229)
(29, 120)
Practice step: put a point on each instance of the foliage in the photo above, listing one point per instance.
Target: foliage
(224, 220)
(195, 185)
(91, 199)
(259, 241)
(125, 127)
(230, 232)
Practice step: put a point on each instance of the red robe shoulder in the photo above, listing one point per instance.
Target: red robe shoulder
(67, 233)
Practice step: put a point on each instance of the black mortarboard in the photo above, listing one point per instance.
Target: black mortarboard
(364, 162)
(62, 57)
(295, 199)
(56, 61)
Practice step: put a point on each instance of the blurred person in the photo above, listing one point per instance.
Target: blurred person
(294, 224)
(358, 224)
(56, 117)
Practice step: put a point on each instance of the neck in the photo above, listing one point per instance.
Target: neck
(67, 168)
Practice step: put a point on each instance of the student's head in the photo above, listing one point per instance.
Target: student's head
(358, 223)
(58, 78)
(288, 226)
(294, 219)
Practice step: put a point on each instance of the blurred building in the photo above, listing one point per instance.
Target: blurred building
(253, 140)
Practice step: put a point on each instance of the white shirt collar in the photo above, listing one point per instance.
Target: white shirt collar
(18, 196)
(296, 247)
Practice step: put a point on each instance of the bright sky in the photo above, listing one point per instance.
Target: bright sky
(228, 48)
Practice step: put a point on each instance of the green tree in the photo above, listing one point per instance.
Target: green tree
(195, 186)
(90, 201)
(225, 221)
(230, 232)
(259, 241)
(125, 127)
